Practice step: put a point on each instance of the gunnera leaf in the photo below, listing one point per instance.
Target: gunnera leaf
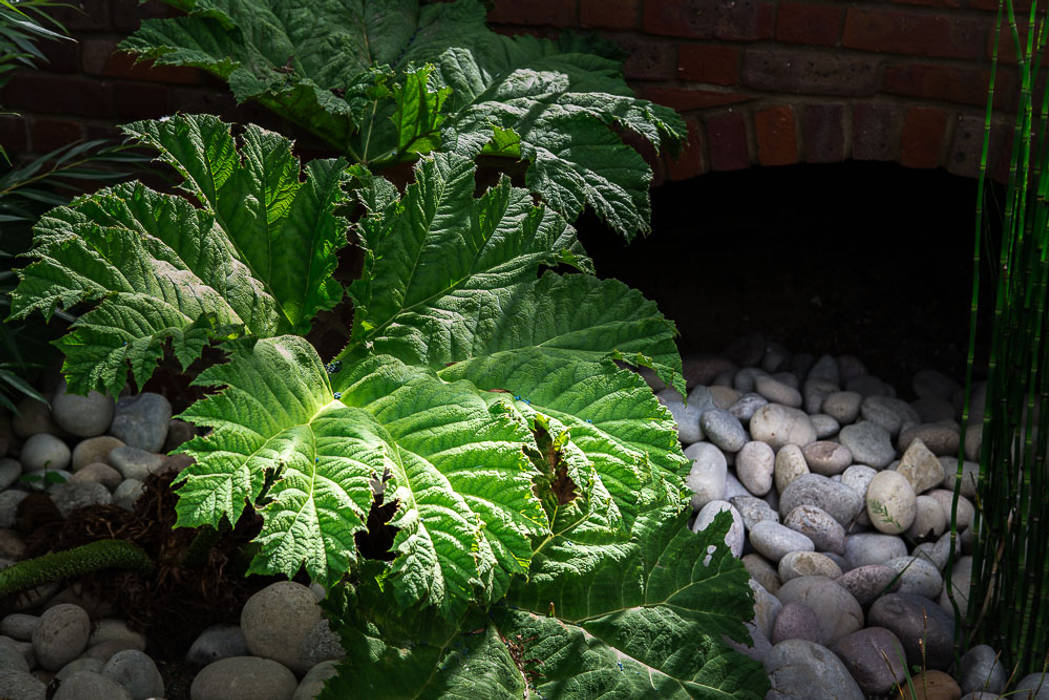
(159, 269)
(649, 627)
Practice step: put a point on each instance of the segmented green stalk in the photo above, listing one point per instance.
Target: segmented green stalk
(103, 554)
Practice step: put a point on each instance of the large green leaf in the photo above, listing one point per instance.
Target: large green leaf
(346, 69)
(163, 270)
(455, 466)
(648, 627)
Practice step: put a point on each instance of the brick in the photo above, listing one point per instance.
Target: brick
(555, 13)
(1000, 153)
(602, 14)
(100, 57)
(963, 155)
(47, 134)
(705, 63)
(921, 140)
(727, 139)
(648, 152)
(805, 71)
(893, 30)
(1007, 45)
(138, 101)
(876, 131)
(647, 59)
(766, 20)
(62, 56)
(775, 135)
(685, 100)
(823, 133)
(39, 92)
(78, 15)
(805, 23)
(930, 3)
(704, 19)
(14, 135)
(689, 162)
(949, 83)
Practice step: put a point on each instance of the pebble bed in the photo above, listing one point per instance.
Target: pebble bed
(839, 492)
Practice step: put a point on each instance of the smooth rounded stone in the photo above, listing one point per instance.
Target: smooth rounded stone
(913, 618)
(243, 678)
(734, 536)
(773, 540)
(1034, 686)
(745, 380)
(842, 406)
(93, 450)
(762, 571)
(798, 668)
(929, 382)
(746, 405)
(801, 363)
(12, 546)
(867, 582)
(825, 369)
(825, 425)
(965, 513)
(766, 608)
(917, 576)
(733, 487)
(787, 378)
(973, 442)
(19, 626)
(961, 578)
(32, 418)
(723, 429)
(921, 467)
(97, 473)
(929, 518)
(941, 439)
(864, 654)
(815, 393)
(701, 399)
(758, 647)
(827, 458)
(10, 470)
(970, 475)
(701, 368)
(938, 552)
(95, 606)
(142, 421)
(818, 525)
(179, 432)
(88, 685)
(777, 392)
(891, 414)
(981, 669)
(789, 465)
(781, 425)
(12, 658)
(320, 644)
(136, 672)
(934, 685)
(776, 356)
(858, 477)
(77, 665)
(868, 385)
(686, 416)
(83, 416)
(869, 442)
(61, 635)
(753, 510)
(838, 612)
(21, 685)
(44, 451)
(866, 548)
(134, 463)
(796, 621)
(45, 479)
(276, 619)
(217, 642)
(706, 478)
(850, 366)
(795, 564)
(982, 695)
(755, 466)
(313, 682)
(841, 502)
(73, 496)
(127, 493)
(111, 629)
(725, 378)
(891, 502)
(933, 410)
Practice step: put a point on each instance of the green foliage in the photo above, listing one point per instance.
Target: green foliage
(386, 82)
(101, 554)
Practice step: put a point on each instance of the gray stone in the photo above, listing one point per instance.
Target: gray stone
(773, 540)
(733, 488)
(825, 369)
(43, 451)
(981, 669)
(136, 672)
(913, 619)
(179, 431)
(88, 685)
(917, 576)
(97, 473)
(12, 658)
(133, 463)
(818, 525)
(20, 685)
(965, 512)
(73, 496)
(929, 518)
(795, 564)
(921, 467)
(61, 635)
(970, 475)
(874, 658)
(891, 414)
(142, 421)
(758, 647)
(858, 477)
(866, 548)
(891, 502)
(112, 629)
(850, 367)
(753, 510)
(755, 466)
(933, 410)
(276, 619)
(961, 578)
(76, 665)
(686, 416)
(789, 465)
(796, 621)
(798, 668)
(706, 478)
(32, 417)
(842, 502)
(746, 405)
(815, 393)
(868, 385)
(243, 678)
(825, 425)
(941, 439)
(723, 396)
(127, 493)
(93, 450)
(766, 608)
(10, 470)
(827, 458)
(838, 612)
(776, 356)
(930, 383)
(83, 416)
(313, 682)
(12, 546)
(762, 571)
(320, 644)
(723, 429)
(842, 406)
(702, 368)
(787, 378)
(869, 442)
(777, 392)
(780, 425)
(19, 626)
(867, 582)
(745, 379)
(217, 642)
(973, 442)
(734, 536)
(936, 553)
(1034, 686)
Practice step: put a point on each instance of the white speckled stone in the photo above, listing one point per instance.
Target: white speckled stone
(781, 425)
(891, 502)
(707, 476)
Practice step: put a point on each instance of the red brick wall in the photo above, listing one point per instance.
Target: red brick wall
(769, 82)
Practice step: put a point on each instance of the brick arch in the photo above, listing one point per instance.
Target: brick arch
(778, 82)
